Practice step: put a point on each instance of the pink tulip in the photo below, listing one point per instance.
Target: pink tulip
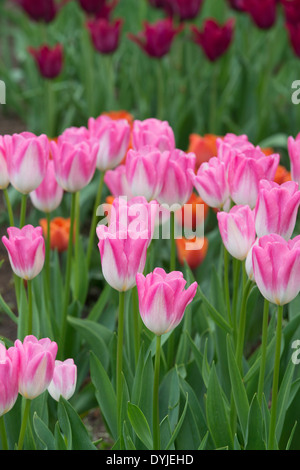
(123, 255)
(145, 170)
(152, 132)
(75, 135)
(177, 186)
(27, 158)
(116, 181)
(237, 229)
(211, 182)
(294, 155)
(9, 375)
(74, 164)
(276, 268)
(163, 299)
(112, 136)
(276, 209)
(4, 178)
(64, 380)
(37, 360)
(245, 170)
(26, 250)
(248, 263)
(48, 196)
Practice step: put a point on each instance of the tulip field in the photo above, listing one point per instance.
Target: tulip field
(149, 225)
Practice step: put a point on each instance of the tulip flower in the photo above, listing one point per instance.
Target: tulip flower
(263, 13)
(237, 229)
(48, 59)
(184, 10)
(237, 5)
(294, 153)
(9, 378)
(92, 6)
(282, 175)
(27, 158)
(211, 182)
(4, 178)
(75, 135)
(214, 38)
(105, 34)
(106, 9)
(193, 213)
(177, 186)
(123, 255)
(152, 132)
(116, 181)
(48, 195)
(145, 171)
(276, 209)
(43, 10)
(294, 37)
(64, 380)
(59, 233)
(156, 39)
(291, 10)
(163, 299)
(26, 250)
(74, 165)
(113, 138)
(192, 251)
(204, 147)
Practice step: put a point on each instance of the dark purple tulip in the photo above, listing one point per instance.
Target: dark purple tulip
(106, 9)
(156, 38)
(49, 60)
(41, 10)
(294, 36)
(214, 38)
(105, 35)
(91, 7)
(237, 5)
(291, 10)
(184, 10)
(262, 12)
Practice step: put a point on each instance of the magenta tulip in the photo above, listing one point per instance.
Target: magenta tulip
(49, 60)
(214, 39)
(113, 138)
(184, 10)
(105, 34)
(276, 209)
(263, 13)
(153, 132)
(27, 158)
(4, 178)
(294, 156)
(116, 181)
(91, 6)
(42, 10)
(237, 229)
(26, 250)
(291, 10)
(48, 196)
(64, 380)
(36, 361)
(9, 378)
(237, 5)
(163, 299)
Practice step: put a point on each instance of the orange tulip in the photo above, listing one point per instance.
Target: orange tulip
(59, 233)
(194, 257)
(188, 214)
(120, 115)
(204, 147)
(282, 175)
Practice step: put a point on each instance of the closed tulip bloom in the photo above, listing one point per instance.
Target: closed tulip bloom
(59, 233)
(48, 196)
(185, 10)
(9, 376)
(263, 13)
(64, 380)
(291, 10)
(4, 178)
(163, 299)
(49, 60)
(294, 37)
(204, 147)
(261, 242)
(245, 171)
(145, 171)
(91, 6)
(214, 39)
(75, 135)
(117, 183)
(177, 186)
(294, 156)
(36, 360)
(122, 254)
(27, 158)
(113, 137)
(276, 269)
(156, 39)
(192, 251)
(105, 34)
(237, 229)
(26, 250)
(43, 10)
(211, 182)
(74, 165)
(237, 5)
(153, 132)
(276, 209)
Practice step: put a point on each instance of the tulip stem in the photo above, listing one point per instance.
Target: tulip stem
(242, 325)
(68, 275)
(272, 428)
(263, 351)
(173, 245)
(9, 208)
(236, 285)
(23, 210)
(156, 431)
(29, 295)
(77, 234)
(94, 219)
(226, 282)
(47, 259)
(136, 315)
(120, 360)
(50, 109)
(3, 434)
(24, 424)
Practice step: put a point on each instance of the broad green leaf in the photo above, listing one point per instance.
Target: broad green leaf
(283, 398)
(179, 424)
(140, 425)
(99, 306)
(255, 427)
(43, 432)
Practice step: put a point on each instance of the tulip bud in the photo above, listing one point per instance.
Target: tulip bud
(64, 380)
(294, 152)
(4, 179)
(214, 39)
(48, 196)
(153, 132)
(49, 60)
(116, 181)
(263, 13)
(9, 376)
(43, 10)
(105, 35)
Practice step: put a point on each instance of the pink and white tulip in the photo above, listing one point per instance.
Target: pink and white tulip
(276, 268)
(27, 158)
(177, 186)
(163, 299)
(145, 171)
(64, 380)
(36, 362)
(112, 136)
(116, 181)
(294, 155)
(153, 132)
(48, 196)
(75, 135)
(9, 376)
(237, 229)
(276, 209)
(211, 182)
(4, 178)
(26, 250)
